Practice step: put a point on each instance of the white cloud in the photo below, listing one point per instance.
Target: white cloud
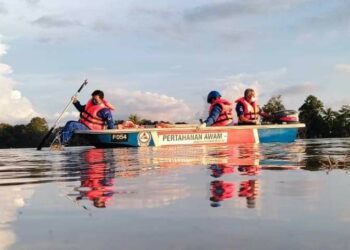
(149, 105)
(3, 49)
(228, 9)
(55, 22)
(266, 85)
(234, 86)
(342, 68)
(5, 69)
(14, 107)
(3, 9)
(32, 2)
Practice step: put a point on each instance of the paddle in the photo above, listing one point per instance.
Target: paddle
(41, 144)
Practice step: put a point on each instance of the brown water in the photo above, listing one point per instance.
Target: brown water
(267, 196)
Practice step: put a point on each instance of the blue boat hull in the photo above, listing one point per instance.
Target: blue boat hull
(192, 136)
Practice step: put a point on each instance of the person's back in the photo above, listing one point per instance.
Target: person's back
(220, 111)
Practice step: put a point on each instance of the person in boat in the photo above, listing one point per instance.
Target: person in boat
(248, 112)
(94, 115)
(220, 111)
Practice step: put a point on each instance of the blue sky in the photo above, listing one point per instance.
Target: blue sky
(159, 59)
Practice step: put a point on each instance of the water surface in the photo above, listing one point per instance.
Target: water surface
(267, 196)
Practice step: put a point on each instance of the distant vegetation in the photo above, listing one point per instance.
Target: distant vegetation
(23, 136)
(320, 123)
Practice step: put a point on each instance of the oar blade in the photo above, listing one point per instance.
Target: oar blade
(41, 144)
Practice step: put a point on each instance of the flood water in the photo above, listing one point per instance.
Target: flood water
(267, 196)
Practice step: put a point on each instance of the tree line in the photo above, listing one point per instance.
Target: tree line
(320, 122)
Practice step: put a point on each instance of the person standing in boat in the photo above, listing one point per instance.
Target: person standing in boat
(94, 115)
(248, 112)
(220, 111)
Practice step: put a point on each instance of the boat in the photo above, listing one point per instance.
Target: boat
(191, 135)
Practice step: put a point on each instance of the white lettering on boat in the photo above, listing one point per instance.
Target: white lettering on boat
(193, 138)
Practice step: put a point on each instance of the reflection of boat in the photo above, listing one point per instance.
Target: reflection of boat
(189, 135)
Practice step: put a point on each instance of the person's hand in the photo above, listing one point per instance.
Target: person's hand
(74, 99)
(201, 126)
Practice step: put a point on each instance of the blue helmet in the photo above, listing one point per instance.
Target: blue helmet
(212, 95)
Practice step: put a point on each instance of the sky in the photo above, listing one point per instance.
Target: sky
(159, 59)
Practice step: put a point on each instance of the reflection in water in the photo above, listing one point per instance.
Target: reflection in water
(223, 190)
(217, 170)
(102, 168)
(12, 200)
(97, 180)
(250, 190)
(220, 190)
(249, 170)
(182, 182)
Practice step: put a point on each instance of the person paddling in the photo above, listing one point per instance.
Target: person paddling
(220, 111)
(94, 115)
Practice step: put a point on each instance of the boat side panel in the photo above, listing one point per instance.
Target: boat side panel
(192, 137)
(203, 136)
(277, 135)
(242, 136)
(115, 140)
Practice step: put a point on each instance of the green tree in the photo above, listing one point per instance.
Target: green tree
(36, 130)
(23, 136)
(274, 104)
(329, 117)
(134, 118)
(311, 114)
(38, 125)
(146, 122)
(342, 122)
(6, 132)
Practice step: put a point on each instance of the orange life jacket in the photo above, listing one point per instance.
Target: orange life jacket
(225, 116)
(89, 116)
(251, 110)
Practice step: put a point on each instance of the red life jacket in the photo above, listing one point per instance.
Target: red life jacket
(225, 116)
(89, 116)
(251, 110)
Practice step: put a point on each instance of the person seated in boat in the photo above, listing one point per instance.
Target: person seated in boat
(220, 111)
(94, 115)
(248, 112)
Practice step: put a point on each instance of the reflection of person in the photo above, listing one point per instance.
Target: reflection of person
(220, 191)
(249, 189)
(97, 181)
(95, 115)
(248, 112)
(220, 111)
(248, 169)
(220, 169)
